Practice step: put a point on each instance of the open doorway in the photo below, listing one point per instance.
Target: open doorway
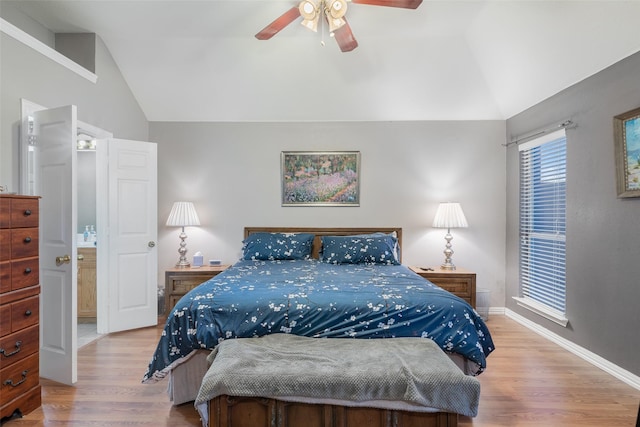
(87, 238)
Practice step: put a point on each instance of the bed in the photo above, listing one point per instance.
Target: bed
(325, 283)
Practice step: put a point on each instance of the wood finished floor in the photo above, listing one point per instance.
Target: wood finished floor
(529, 382)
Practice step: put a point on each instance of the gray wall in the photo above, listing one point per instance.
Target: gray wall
(79, 47)
(603, 232)
(24, 73)
(231, 171)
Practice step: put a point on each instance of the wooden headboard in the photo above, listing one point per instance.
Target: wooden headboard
(324, 231)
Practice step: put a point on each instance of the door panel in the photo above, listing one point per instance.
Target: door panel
(131, 192)
(56, 172)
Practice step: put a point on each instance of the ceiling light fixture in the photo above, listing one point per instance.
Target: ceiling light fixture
(309, 12)
(333, 11)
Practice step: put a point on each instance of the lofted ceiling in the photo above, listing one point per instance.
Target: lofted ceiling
(447, 60)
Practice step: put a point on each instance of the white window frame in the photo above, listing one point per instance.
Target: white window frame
(544, 294)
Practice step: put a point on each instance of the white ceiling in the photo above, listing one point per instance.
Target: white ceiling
(447, 60)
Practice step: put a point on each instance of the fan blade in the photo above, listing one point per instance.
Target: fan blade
(406, 4)
(344, 37)
(282, 21)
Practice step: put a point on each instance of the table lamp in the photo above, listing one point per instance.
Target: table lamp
(183, 214)
(449, 215)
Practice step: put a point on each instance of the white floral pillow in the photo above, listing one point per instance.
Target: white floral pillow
(277, 246)
(377, 248)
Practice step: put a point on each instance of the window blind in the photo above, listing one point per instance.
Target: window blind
(543, 220)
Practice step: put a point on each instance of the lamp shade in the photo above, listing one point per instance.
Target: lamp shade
(450, 215)
(183, 214)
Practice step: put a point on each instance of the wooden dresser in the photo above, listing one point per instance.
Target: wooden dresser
(19, 305)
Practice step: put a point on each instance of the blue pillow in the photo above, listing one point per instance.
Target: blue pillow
(377, 248)
(277, 246)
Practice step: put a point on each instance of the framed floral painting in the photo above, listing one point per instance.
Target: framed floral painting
(627, 149)
(323, 178)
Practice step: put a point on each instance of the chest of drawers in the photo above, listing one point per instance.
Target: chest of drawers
(19, 305)
(459, 282)
(179, 281)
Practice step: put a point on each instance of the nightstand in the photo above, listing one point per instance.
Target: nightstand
(459, 282)
(179, 281)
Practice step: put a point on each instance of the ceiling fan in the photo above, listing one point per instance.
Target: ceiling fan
(334, 11)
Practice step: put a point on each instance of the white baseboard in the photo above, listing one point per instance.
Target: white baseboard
(496, 310)
(597, 361)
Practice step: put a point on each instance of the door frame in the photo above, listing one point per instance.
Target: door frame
(27, 110)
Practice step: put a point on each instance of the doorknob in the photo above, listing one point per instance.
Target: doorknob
(63, 260)
(151, 244)
(80, 257)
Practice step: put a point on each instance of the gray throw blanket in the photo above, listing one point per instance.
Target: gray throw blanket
(281, 366)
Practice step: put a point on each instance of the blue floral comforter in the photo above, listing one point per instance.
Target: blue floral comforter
(316, 299)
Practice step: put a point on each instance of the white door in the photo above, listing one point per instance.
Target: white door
(125, 172)
(55, 167)
(127, 234)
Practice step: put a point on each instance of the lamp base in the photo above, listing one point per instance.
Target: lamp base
(183, 264)
(447, 266)
(448, 252)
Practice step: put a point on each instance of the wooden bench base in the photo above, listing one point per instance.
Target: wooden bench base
(229, 411)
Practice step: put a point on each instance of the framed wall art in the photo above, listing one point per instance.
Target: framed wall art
(626, 129)
(322, 178)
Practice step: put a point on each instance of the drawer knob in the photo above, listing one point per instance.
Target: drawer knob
(17, 350)
(12, 384)
(27, 239)
(27, 270)
(27, 313)
(27, 212)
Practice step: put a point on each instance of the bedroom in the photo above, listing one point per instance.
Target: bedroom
(238, 176)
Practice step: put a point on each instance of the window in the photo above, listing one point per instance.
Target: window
(543, 225)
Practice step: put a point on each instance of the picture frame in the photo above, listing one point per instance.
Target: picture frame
(626, 130)
(320, 178)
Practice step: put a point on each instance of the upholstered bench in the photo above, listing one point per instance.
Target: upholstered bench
(288, 380)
